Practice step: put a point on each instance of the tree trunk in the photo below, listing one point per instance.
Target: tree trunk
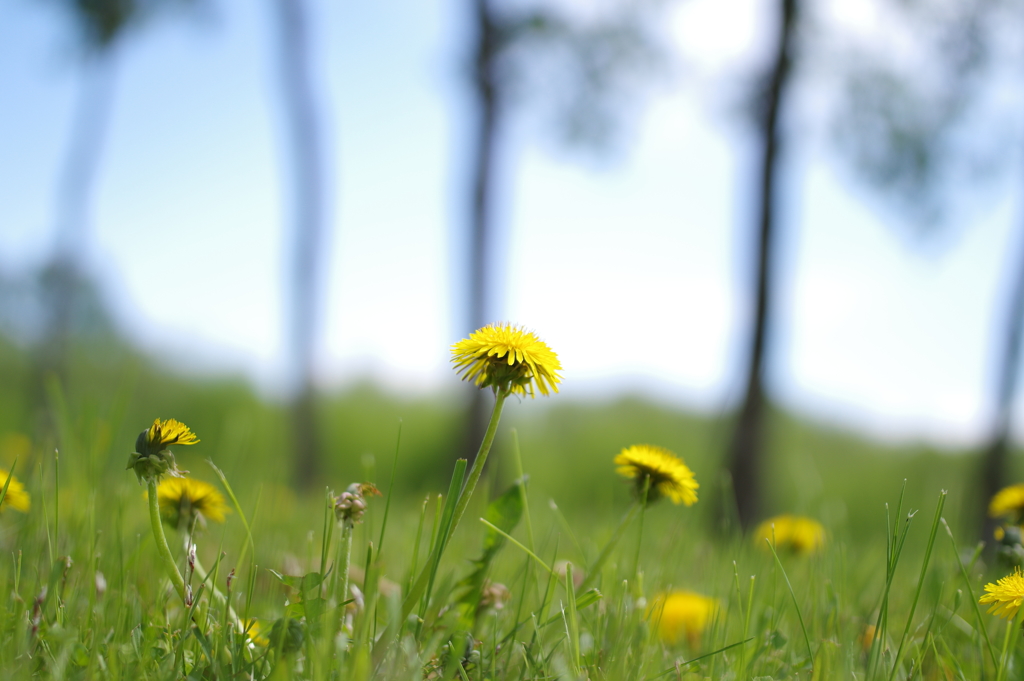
(746, 452)
(76, 187)
(485, 100)
(994, 459)
(309, 225)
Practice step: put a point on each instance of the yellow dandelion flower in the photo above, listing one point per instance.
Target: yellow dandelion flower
(1008, 502)
(794, 533)
(152, 458)
(170, 432)
(1005, 595)
(183, 500)
(682, 613)
(17, 498)
(507, 357)
(252, 631)
(867, 637)
(669, 476)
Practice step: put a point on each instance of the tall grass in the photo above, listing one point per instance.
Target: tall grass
(87, 598)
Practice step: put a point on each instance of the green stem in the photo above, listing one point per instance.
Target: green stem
(595, 570)
(346, 543)
(161, 542)
(479, 461)
(215, 594)
(640, 533)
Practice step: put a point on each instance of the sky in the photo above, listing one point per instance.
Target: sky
(632, 268)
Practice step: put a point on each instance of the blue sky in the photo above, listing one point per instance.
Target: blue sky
(632, 270)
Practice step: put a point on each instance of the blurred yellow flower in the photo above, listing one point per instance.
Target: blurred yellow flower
(669, 476)
(1008, 502)
(682, 613)
(17, 498)
(183, 500)
(503, 356)
(1005, 595)
(252, 631)
(794, 533)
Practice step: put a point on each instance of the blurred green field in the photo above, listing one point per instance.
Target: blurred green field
(566, 446)
(88, 508)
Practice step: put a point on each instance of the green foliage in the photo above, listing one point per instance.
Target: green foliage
(86, 596)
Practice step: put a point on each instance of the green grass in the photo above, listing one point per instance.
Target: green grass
(86, 596)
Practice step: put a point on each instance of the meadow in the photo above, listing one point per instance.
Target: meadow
(565, 575)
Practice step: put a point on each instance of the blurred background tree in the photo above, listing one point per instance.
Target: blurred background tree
(309, 226)
(63, 301)
(746, 453)
(585, 76)
(923, 128)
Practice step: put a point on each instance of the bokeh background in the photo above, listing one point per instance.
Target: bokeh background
(272, 219)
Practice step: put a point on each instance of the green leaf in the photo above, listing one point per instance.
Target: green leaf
(502, 516)
(306, 582)
(504, 513)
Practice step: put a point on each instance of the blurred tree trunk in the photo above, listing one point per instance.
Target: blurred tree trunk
(486, 102)
(746, 452)
(65, 273)
(309, 228)
(994, 459)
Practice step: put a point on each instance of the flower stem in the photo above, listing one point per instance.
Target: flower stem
(346, 551)
(640, 533)
(479, 461)
(216, 595)
(161, 542)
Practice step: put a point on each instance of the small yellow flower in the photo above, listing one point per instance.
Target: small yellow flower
(170, 432)
(152, 458)
(867, 637)
(17, 498)
(183, 500)
(1008, 502)
(252, 631)
(669, 476)
(507, 357)
(682, 613)
(794, 533)
(1005, 595)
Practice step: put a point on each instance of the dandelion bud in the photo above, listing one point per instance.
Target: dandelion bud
(350, 505)
(494, 596)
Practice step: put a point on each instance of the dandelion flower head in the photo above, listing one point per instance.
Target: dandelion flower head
(507, 357)
(17, 498)
(669, 476)
(798, 534)
(152, 457)
(1005, 595)
(682, 613)
(187, 500)
(1008, 503)
(251, 628)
